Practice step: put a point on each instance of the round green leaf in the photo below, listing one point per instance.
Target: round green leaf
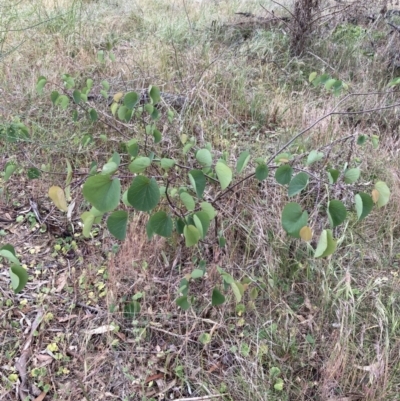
(298, 183)
(183, 302)
(157, 136)
(209, 209)
(8, 252)
(351, 175)
(188, 201)
(224, 174)
(204, 157)
(192, 235)
(130, 100)
(62, 101)
(144, 193)
(333, 175)
(364, 205)
(262, 172)
(384, 193)
(161, 224)
(103, 192)
(361, 140)
(217, 298)
(9, 169)
(139, 164)
(205, 338)
(117, 223)
(41, 82)
(33, 173)
(76, 95)
(293, 219)
(54, 96)
(166, 164)
(314, 156)
(283, 174)
(336, 212)
(19, 277)
(326, 245)
(155, 94)
(198, 181)
(93, 115)
(242, 161)
(197, 273)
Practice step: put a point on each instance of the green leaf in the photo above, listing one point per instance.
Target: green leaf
(262, 172)
(167, 164)
(293, 219)
(124, 114)
(93, 115)
(54, 96)
(333, 175)
(364, 205)
(242, 161)
(278, 386)
(326, 245)
(351, 175)
(131, 309)
(254, 293)
(205, 338)
(117, 223)
(329, 83)
(109, 168)
(34, 173)
(375, 141)
(314, 156)
(336, 212)
(384, 193)
(139, 164)
(312, 76)
(217, 298)
(130, 100)
(76, 95)
(9, 169)
(202, 223)
(41, 82)
(103, 192)
(237, 290)
(19, 277)
(161, 224)
(144, 193)
(209, 209)
(155, 95)
(8, 252)
(361, 140)
(104, 84)
(133, 147)
(191, 234)
(224, 174)
(198, 181)
(188, 201)
(157, 136)
(155, 115)
(283, 174)
(180, 225)
(62, 101)
(183, 303)
(149, 108)
(88, 220)
(197, 273)
(283, 157)
(204, 157)
(298, 183)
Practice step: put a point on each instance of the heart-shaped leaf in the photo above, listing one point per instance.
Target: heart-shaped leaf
(117, 223)
(144, 193)
(103, 192)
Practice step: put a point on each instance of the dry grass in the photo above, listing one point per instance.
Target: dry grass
(330, 326)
